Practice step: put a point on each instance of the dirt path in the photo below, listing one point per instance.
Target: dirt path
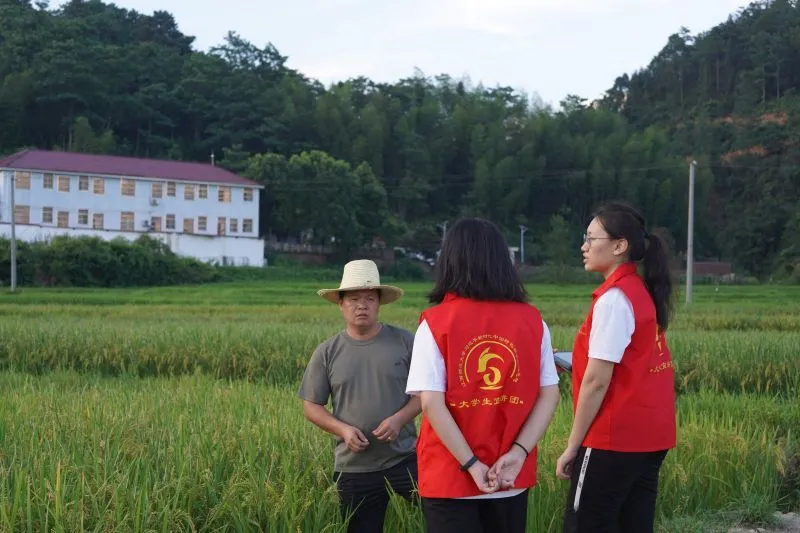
(789, 522)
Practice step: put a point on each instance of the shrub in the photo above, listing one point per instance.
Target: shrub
(65, 261)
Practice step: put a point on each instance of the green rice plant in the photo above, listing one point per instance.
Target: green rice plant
(198, 454)
(200, 429)
(275, 350)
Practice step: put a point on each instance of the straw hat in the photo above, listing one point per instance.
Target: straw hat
(360, 275)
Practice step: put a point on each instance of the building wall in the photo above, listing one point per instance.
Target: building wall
(212, 243)
(239, 251)
(112, 204)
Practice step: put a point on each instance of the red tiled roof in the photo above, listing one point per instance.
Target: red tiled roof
(111, 165)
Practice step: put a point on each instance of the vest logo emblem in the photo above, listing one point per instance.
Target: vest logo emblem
(490, 360)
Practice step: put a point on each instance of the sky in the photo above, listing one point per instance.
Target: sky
(544, 48)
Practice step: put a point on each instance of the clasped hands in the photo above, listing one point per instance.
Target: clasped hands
(502, 474)
(387, 431)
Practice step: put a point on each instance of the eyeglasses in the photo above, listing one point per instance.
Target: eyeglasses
(588, 240)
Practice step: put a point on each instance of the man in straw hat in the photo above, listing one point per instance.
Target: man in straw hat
(364, 369)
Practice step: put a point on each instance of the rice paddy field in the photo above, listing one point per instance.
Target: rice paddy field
(174, 409)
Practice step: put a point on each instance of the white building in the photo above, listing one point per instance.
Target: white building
(199, 210)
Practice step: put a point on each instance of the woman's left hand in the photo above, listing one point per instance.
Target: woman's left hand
(508, 466)
(565, 463)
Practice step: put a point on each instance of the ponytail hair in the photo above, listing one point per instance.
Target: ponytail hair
(622, 221)
(657, 278)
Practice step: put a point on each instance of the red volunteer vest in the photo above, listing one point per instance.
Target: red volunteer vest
(638, 411)
(491, 354)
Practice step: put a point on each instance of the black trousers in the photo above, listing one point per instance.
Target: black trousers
(494, 515)
(364, 497)
(613, 492)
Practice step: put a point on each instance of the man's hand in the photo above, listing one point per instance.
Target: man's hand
(354, 439)
(479, 473)
(508, 466)
(388, 430)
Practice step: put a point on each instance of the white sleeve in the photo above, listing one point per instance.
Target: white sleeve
(612, 326)
(548, 375)
(426, 371)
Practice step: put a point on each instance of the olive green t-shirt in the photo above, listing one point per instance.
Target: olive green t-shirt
(367, 383)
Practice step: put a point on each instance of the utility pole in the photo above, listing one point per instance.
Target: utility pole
(690, 236)
(522, 230)
(443, 227)
(13, 236)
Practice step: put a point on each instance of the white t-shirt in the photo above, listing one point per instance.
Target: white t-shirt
(612, 326)
(427, 373)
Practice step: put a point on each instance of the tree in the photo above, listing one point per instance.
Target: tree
(95, 77)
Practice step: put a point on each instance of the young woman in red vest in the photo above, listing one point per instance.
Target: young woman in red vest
(483, 365)
(622, 378)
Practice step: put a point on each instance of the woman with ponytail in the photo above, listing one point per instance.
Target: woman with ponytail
(622, 380)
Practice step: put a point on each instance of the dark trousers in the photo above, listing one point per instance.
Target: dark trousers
(495, 515)
(364, 497)
(613, 492)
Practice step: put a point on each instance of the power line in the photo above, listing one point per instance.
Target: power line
(449, 180)
(442, 181)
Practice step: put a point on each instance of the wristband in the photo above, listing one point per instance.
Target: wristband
(469, 463)
(521, 446)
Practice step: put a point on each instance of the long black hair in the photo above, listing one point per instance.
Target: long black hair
(475, 263)
(622, 221)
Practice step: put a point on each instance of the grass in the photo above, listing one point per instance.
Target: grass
(174, 409)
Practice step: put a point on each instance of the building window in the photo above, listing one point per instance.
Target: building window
(63, 184)
(22, 214)
(99, 186)
(171, 222)
(97, 221)
(234, 225)
(224, 194)
(83, 216)
(155, 223)
(202, 223)
(203, 191)
(128, 188)
(188, 225)
(63, 219)
(83, 183)
(170, 188)
(47, 181)
(156, 190)
(22, 180)
(247, 225)
(221, 226)
(126, 221)
(188, 192)
(47, 215)
(248, 194)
